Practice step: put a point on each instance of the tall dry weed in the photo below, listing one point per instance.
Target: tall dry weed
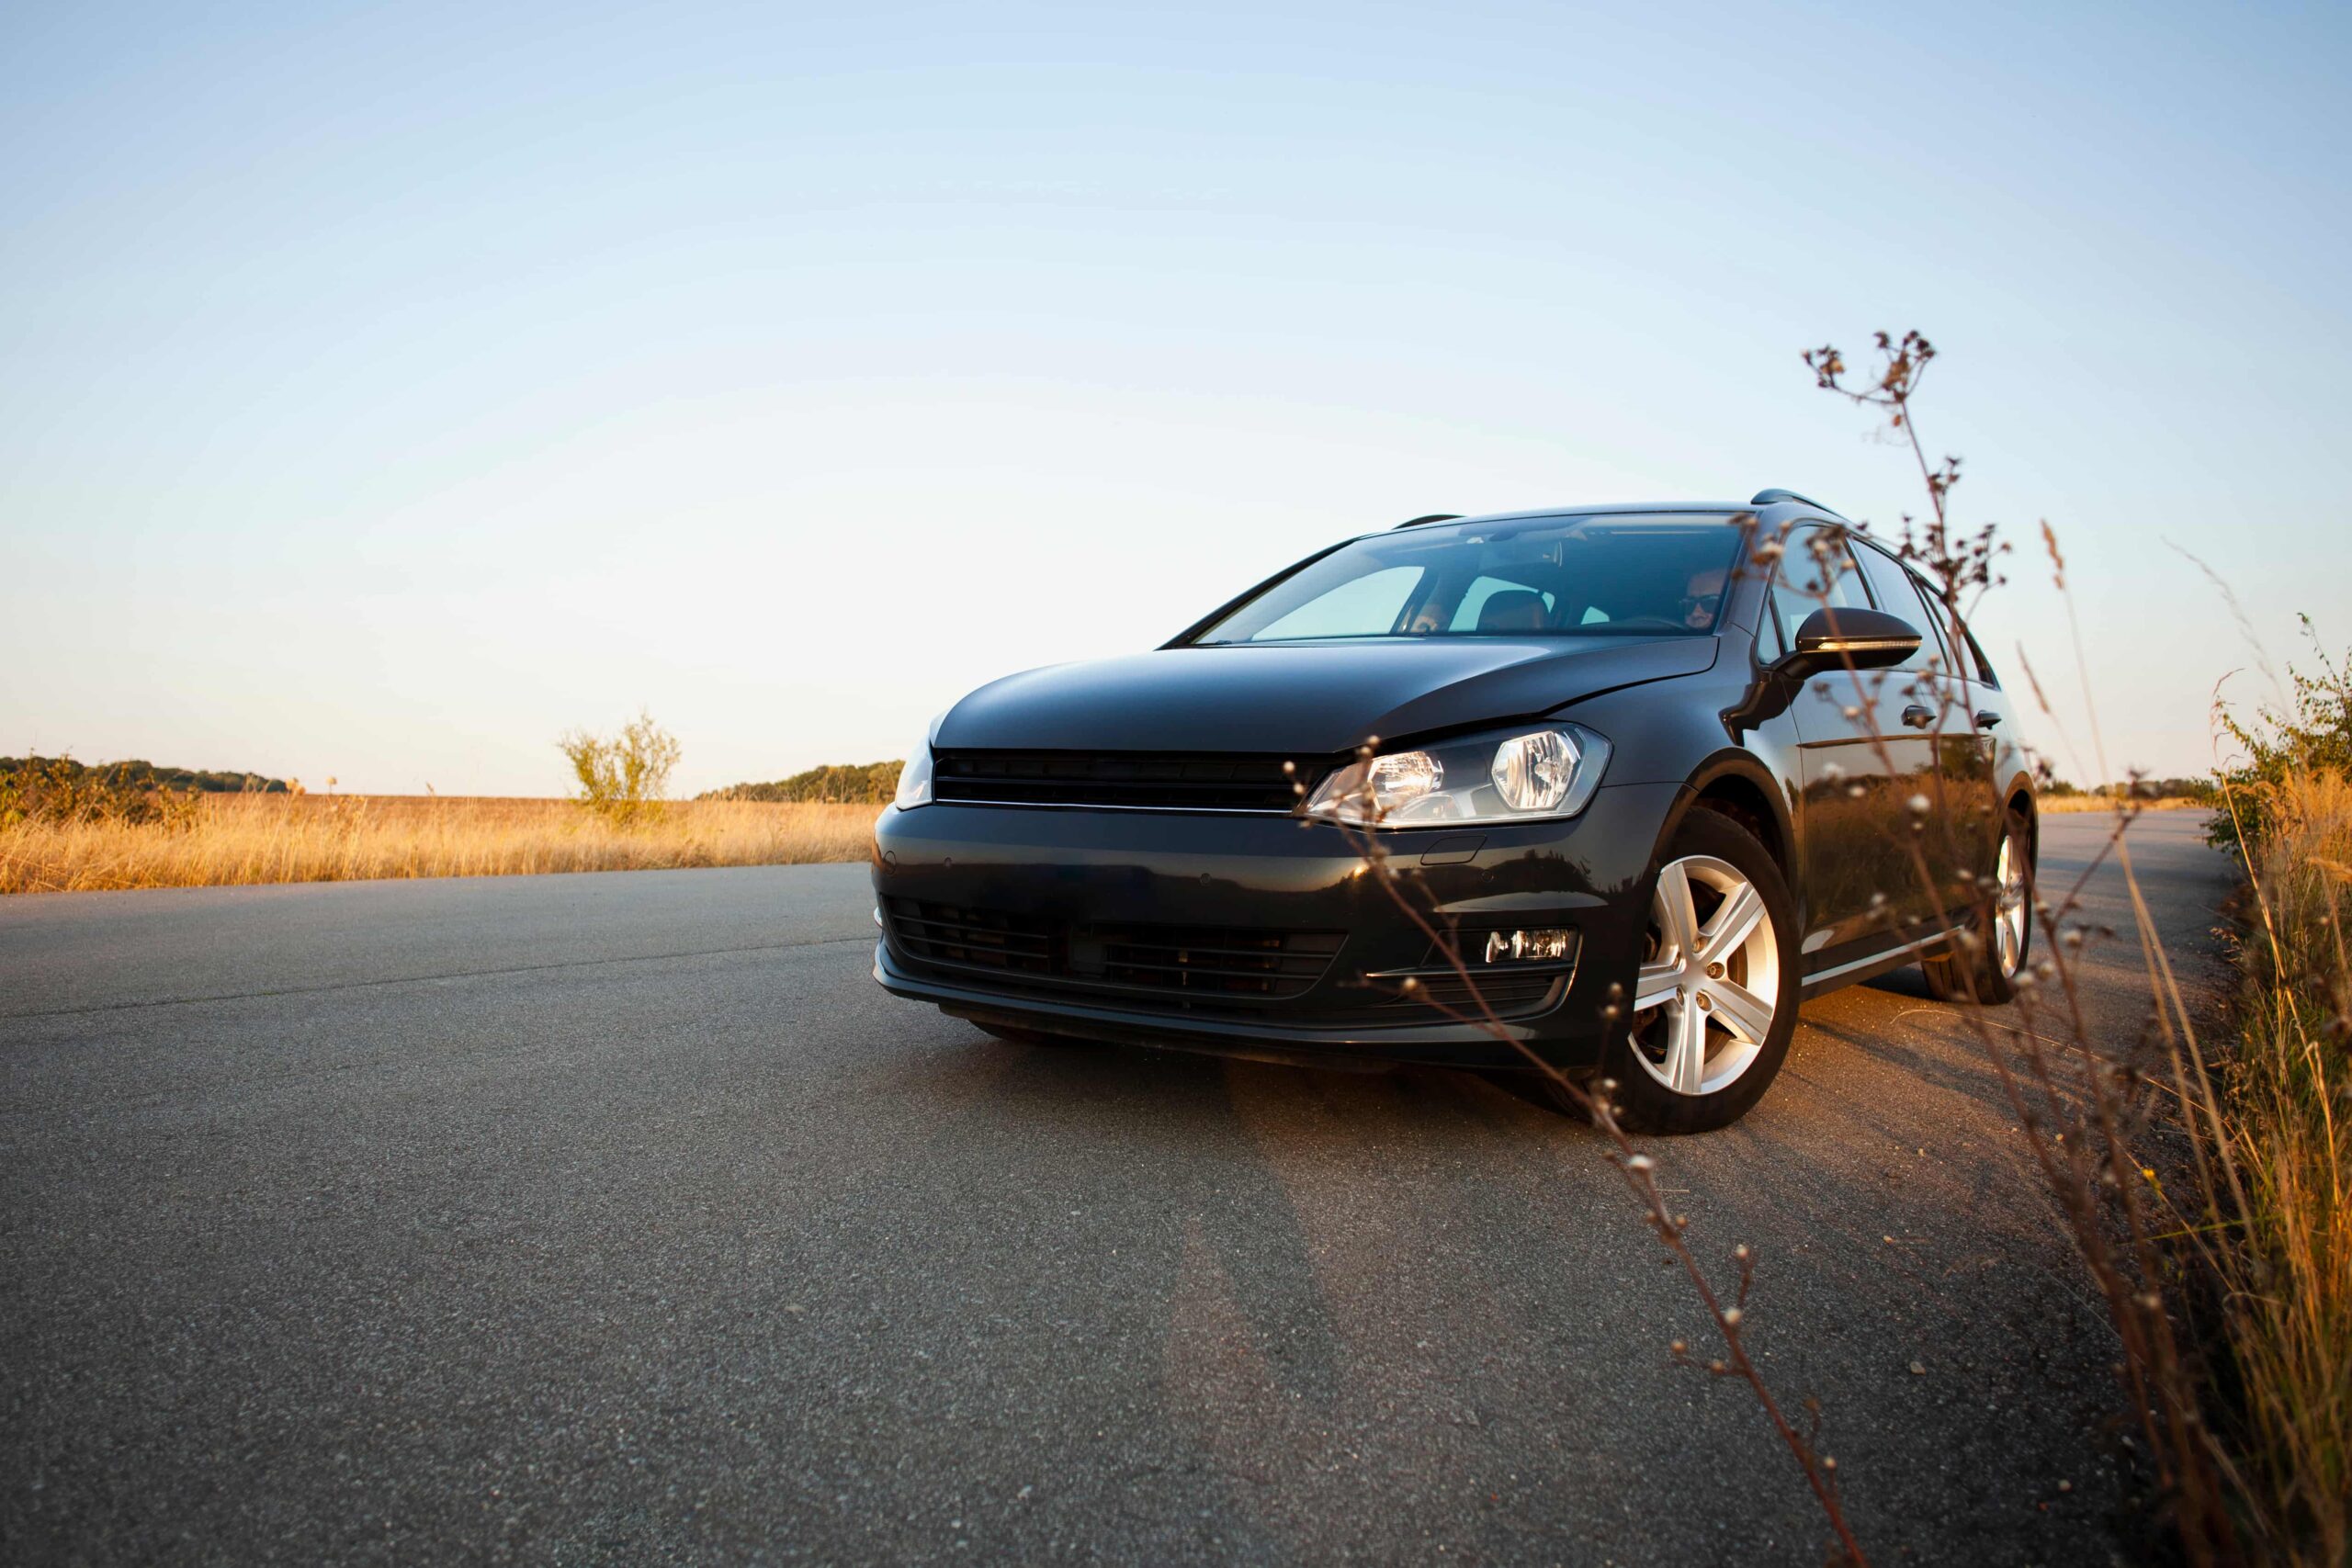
(2089, 1105)
(2287, 1304)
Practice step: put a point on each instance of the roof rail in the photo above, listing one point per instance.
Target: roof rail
(1766, 497)
(1432, 517)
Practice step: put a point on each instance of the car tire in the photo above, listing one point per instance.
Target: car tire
(1722, 947)
(1984, 968)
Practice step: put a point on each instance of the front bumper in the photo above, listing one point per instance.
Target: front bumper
(1057, 877)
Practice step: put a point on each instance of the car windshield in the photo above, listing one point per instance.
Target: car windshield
(1591, 576)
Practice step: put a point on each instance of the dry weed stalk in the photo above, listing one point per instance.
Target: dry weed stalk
(2088, 1105)
(2084, 1105)
(2283, 1262)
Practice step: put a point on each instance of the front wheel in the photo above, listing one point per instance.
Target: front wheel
(1714, 1001)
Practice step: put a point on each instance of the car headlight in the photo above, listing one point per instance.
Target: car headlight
(1523, 774)
(914, 776)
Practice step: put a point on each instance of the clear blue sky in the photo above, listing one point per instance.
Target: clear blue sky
(384, 391)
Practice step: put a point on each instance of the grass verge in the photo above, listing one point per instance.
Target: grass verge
(240, 838)
(2287, 1298)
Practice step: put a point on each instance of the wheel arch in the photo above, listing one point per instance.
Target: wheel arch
(2018, 797)
(1743, 789)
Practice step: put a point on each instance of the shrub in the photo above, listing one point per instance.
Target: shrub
(2311, 735)
(61, 791)
(624, 779)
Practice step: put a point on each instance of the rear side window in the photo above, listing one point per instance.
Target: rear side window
(1983, 665)
(1898, 588)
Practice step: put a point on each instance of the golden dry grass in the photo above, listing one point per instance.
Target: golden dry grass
(2290, 1308)
(240, 838)
(2048, 803)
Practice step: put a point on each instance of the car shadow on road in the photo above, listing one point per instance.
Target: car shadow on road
(1315, 1253)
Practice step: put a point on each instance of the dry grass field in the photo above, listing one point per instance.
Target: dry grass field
(238, 839)
(2062, 803)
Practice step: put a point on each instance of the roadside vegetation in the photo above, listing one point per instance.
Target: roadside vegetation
(859, 783)
(67, 827)
(18, 773)
(2138, 795)
(61, 792)
(2285, 1269)
(624, 778)
(231, 839)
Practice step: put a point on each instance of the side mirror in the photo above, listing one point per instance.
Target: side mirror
(1832, 638)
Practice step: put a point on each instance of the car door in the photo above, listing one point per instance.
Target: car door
(1934, 691)
(1985, 707)
(1852, 749)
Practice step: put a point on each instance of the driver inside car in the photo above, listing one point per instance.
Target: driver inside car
(1701, 597)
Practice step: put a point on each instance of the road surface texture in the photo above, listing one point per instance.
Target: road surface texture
(621, 1219)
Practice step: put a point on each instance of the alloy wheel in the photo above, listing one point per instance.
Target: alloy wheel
(2008, 915)
(1704, 1000)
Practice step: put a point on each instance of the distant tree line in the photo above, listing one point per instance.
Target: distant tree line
(61, 792)
(142, 775)
(848, 784)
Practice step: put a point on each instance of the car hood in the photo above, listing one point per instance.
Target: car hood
(1304, 697)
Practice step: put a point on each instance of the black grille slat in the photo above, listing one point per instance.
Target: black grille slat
(1275, 948)
(954, 929)
(1171, 781)
(1504, 993)
(1274, 964)
(969, 938)
(1189, 966)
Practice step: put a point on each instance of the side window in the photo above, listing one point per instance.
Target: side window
(1983, 665)
(1817, 570)
(1938, 625)
(1769, 642)
(1361, 607)
(1506, 600)
(1900, 593)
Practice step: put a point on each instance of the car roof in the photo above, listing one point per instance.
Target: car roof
(1604, 510)
(1785, 505)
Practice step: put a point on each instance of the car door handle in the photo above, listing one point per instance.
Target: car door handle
(1986, 718)
(1919, 717)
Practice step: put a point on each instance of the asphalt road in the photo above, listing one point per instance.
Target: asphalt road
(621, 1219)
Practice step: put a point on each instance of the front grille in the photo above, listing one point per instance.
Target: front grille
(1193, 966)
(1164, 781)
(1507, 993)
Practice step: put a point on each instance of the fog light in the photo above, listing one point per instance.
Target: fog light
(1528, 944)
